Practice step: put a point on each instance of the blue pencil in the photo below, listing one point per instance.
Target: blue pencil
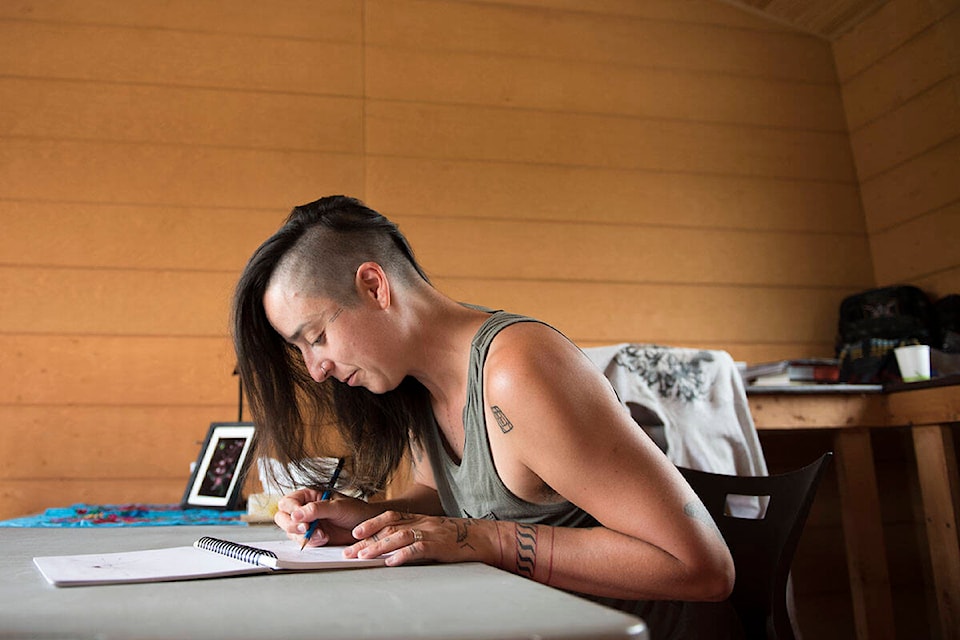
(326, 496)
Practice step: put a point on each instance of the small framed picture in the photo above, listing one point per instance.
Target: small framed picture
(217, 477)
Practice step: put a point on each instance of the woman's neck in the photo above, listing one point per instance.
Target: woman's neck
(442, 335)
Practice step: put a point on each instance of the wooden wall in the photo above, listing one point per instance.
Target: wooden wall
(645, 171)
(679, 172)
(900, 76)
(147, 148)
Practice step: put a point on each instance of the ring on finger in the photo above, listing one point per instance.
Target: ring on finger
(417, 535)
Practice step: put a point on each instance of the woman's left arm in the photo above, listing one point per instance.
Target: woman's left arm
(557, 431)
(568, 430)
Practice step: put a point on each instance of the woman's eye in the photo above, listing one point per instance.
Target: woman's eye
(318, 339)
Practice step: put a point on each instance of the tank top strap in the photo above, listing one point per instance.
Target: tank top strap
(497, 322)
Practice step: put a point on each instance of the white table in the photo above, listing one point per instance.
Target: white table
(454, 601)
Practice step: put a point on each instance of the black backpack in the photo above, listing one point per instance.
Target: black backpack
(947, 311)
(873, 323)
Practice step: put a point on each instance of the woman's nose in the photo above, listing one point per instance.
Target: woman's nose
(319, 368)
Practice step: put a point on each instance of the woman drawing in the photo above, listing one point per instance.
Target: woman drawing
(523, 458)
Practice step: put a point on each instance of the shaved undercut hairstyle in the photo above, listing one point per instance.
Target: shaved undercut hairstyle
(319, 249)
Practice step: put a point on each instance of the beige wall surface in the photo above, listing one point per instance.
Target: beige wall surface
(900, 76)
(643, 171)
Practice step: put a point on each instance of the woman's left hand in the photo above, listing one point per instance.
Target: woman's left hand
(414, 537)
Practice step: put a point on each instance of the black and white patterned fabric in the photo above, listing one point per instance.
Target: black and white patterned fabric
(696, 395)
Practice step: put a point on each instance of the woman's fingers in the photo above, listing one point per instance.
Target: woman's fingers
(400, 534)
(337, 517)
(297, 499)
(380, 522)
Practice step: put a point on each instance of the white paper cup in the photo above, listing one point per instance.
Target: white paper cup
(914, 362)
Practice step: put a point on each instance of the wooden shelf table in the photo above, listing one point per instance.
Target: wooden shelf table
(850, 412)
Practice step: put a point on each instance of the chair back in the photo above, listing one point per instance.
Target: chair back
(762, 548)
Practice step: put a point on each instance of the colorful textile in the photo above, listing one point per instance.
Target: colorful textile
(125, 515)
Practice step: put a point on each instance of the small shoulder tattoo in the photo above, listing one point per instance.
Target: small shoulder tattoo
(502, 421)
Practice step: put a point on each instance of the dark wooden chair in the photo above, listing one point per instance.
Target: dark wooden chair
(762, 548)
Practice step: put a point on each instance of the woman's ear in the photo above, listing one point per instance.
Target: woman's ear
(373, 284)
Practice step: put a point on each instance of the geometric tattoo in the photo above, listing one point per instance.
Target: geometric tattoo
(697, 511)
(463, 530)
(526, 549)
(505, 425)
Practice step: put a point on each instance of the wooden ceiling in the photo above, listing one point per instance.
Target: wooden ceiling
(828, 19)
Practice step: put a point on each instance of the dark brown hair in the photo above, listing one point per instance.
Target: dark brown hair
(323, 243)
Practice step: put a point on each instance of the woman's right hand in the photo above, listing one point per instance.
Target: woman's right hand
(338, 516)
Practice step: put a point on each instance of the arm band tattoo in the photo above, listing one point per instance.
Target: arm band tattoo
(550, 569)
(502, 421)
(526, 549)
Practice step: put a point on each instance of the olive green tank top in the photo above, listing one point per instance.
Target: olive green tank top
(472, 488)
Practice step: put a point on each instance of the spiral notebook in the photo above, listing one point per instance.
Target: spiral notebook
(207, 558)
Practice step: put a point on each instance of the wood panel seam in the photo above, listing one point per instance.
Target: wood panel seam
(943, 143)
(901, 45)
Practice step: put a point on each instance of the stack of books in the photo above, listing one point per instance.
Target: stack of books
(804, 371)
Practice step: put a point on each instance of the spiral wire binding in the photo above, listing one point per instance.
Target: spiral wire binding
(234, 550)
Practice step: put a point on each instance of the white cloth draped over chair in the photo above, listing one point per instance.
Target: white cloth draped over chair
(699, 398)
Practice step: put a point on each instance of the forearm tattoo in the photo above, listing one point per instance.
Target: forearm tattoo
(529, 541)
(526, 549)
(502, 421)
(463, 531)
(462, 527)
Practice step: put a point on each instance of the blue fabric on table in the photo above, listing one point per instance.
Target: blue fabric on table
(125, 515)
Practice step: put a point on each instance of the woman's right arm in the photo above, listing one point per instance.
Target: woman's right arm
(421, 496)
(341, 514)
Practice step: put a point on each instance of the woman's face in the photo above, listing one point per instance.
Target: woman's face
(348, 343)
